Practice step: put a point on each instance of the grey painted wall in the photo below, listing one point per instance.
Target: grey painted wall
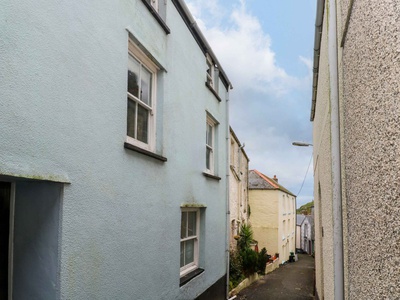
(63, 98)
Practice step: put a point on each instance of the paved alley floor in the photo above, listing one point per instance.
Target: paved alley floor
(290, 281)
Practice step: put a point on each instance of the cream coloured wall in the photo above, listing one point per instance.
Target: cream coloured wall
(298, 236)
(264, 205)
(287, 225)
(273, 221)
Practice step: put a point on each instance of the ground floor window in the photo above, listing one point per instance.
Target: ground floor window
(190, 228)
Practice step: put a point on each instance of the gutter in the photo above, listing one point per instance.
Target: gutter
(317, 47)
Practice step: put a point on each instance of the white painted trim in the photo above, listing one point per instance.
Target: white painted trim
(135, 51)
(147, 63)
(210, 76)
(213, 123)
(195, 264)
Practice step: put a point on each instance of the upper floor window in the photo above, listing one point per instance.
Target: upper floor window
(210, 144)
(210, 71)
(212, 77)
(141, 96)
(158, 10)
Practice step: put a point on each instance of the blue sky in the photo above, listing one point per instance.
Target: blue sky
(266, 49)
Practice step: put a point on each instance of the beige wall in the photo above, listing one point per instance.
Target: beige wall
(287, 225)
(298, 236)
(270, 209)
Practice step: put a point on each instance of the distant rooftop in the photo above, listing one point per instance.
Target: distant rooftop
(260, 181)
(300, 219)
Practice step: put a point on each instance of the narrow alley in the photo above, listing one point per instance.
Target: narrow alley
(291, 281)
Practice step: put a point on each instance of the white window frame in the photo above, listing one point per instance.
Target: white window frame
(195, 264)
(145, 62)
(210, 71)
(211, 122)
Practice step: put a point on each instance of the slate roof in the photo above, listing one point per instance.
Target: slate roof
(260, 181)
(300, 219)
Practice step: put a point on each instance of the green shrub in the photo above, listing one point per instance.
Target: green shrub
(245, 261)
(263, 257)
(249, 261)
(235, 269)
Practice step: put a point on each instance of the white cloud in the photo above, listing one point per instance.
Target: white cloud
(268, 107)
(308, 62)
(242, 47)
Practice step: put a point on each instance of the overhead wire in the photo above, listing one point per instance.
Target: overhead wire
(305, 176)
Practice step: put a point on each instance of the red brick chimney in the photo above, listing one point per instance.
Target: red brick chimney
(275, 178)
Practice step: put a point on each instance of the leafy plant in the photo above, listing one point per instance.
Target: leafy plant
(245, 237)
(249, 261)
(245, 261)
(263, 257)
(235, 269)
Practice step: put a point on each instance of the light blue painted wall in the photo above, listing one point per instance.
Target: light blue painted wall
(63, 112)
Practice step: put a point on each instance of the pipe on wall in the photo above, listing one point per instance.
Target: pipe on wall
(336, 154)
(228, 213)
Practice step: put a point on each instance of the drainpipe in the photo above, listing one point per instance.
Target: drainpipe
(336, 157)
(228, 213)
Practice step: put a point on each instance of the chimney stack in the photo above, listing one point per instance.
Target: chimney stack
(275, 178)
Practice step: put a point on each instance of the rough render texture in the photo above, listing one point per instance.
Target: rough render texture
(238, 188)
(369, 88)
(322, 179)
(63, 112)
(371, 79)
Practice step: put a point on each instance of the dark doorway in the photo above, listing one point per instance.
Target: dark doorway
(5, 192)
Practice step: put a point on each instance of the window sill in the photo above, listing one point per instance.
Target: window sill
(145, 152)
(189, 276)
(211, 176)
(213, 91)
(157, 17)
